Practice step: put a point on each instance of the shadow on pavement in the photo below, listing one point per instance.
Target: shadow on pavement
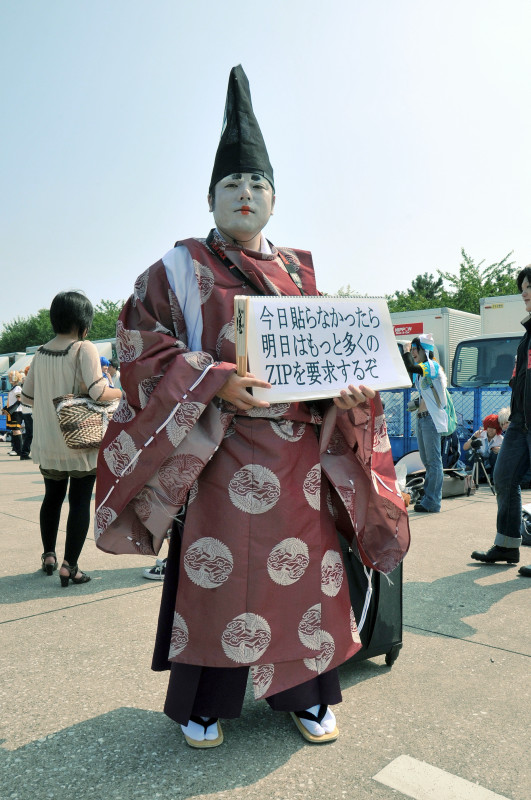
(36, 585)
(352, 673)
(442, 604)
(132, 753)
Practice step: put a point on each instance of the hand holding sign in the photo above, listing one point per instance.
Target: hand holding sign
(234, 391)
(354, 397)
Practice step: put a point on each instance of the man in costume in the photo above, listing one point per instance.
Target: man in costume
(254, 578)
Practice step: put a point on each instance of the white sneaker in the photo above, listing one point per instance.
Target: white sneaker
(156, 573)
(12, 453)
(160, 562)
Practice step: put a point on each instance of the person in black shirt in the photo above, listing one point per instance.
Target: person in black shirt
(514, 458)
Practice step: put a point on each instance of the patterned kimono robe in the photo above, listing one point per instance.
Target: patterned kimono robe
(262, 581)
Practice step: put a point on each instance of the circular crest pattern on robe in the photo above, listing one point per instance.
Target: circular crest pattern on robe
(246, 638)
(265, 569)
(288, 561)
(254, 489)
(208, 562)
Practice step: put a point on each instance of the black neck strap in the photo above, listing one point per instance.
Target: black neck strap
(223, 257)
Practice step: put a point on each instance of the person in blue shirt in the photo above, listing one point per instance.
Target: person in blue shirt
(429, 380)
(105, 364)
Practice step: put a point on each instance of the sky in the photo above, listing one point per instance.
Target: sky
(399, 132)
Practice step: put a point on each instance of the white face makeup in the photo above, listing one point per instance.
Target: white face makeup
(243, 204)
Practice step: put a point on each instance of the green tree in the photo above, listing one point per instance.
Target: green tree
(465, 289)
(426, 292)
(475, 281)
(37, 329)
(105, 316)
(427, 286)
(26, 331)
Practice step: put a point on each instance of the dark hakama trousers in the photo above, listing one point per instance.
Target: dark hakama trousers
(217, 691)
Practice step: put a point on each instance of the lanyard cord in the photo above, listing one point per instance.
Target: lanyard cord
(223, 257)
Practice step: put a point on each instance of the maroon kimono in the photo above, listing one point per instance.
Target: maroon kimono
(262, 581)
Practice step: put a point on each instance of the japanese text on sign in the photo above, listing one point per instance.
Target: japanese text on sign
(318, 346)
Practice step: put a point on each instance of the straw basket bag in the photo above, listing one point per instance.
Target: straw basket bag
(82, 420)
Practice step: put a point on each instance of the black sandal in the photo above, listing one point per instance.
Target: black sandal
(49, 568)
(72, 577)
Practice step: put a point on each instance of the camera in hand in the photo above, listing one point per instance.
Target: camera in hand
(476, 444)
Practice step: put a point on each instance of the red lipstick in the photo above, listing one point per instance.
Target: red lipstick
(245, 209)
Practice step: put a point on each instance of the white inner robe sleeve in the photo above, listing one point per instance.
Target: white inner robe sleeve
(181, 277)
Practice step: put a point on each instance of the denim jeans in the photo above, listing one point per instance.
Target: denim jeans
(511, 466)
(429, 440)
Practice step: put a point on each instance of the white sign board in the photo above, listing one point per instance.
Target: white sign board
(312, 347)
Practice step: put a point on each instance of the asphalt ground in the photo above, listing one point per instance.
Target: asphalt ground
(81, 710)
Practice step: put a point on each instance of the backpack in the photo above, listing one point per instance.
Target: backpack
(449, 450)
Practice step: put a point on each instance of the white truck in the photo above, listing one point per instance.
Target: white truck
(488, 359)
(447, 326)
(502, 314)
(477, 352)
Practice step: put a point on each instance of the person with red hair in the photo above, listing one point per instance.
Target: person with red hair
(491, 439)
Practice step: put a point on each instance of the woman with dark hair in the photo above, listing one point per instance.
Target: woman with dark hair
(71, 311)
(65, 364)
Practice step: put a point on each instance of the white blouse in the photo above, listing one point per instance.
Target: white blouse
(52, 374)
(13, 395)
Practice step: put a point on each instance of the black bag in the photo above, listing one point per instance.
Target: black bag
(450, 450)
(380, 628)
(526, 528)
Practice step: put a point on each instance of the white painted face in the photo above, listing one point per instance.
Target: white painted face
(243, 204)
(526, 294)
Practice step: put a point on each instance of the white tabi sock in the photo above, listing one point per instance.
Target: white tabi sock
(211, 731)
(328, 722)
(196, 732)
